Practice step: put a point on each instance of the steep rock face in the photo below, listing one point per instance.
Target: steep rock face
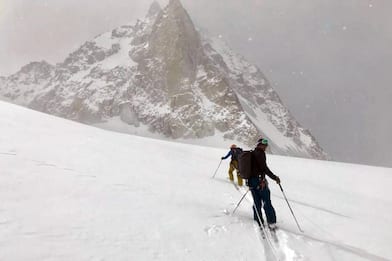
(162, 76)
(154, 9)
(176, 42)
(197, 102)
(262, 104)
(28, 82)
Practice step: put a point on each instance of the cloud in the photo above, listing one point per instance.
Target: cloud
(1, 9)
(341, 47)
(50, 30)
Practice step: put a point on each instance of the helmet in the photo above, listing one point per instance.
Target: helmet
(233, 146)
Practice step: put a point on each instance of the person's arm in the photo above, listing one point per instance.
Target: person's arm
(271, 175)
(228, 155)
(268, 172)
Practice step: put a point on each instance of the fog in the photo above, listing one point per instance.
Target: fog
(329, 60)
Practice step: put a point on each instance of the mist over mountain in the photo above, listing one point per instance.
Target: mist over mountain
(161, 76)
(329, 61)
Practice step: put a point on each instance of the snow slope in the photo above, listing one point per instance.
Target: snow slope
(74, 192)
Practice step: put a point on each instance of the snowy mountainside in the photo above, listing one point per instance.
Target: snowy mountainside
(22, 86)
(161, 76)
(263, 105)
(74, 192)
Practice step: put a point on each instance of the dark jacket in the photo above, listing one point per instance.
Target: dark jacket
(259, 168)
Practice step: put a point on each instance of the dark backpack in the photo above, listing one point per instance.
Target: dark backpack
(236, 153)
(245, 164)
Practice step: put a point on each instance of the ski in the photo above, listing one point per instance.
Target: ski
(262, 233)
(273, 227)
(272, 231)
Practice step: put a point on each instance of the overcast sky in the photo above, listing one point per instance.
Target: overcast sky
(329, 60)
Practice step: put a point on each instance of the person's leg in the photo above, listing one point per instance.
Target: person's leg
(231, 169)
(268, 208)
(235, 164)
(240, 181)
(257, 206)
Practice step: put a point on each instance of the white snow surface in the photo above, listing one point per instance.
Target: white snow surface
(74, 192)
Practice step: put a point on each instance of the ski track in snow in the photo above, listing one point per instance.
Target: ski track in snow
(311, 206)
(286, 241)
(272, 249)
(305, 239)
(8, 153)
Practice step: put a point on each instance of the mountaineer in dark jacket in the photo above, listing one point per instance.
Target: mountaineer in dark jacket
(258, 185)
(234, 153)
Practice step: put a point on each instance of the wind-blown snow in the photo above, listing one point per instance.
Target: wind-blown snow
(74, 192)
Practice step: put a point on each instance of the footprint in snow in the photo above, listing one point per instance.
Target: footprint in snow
(214, 229)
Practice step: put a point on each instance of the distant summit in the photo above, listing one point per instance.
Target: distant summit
(155, 8)
(160, 77)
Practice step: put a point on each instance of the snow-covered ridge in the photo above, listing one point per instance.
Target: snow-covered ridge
(163, 74)
(261, 103)
(74, 192)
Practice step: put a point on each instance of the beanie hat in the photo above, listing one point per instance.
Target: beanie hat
(233, 146)
(262, 142)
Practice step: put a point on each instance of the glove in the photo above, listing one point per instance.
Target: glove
(222, 158)
(277, 180)
(263, 184)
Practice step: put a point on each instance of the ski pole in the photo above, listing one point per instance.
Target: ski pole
(290, 208)
(240, 202)
(217, 169)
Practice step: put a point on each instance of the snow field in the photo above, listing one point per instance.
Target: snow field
(73, 192)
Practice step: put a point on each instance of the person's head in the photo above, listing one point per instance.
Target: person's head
(262, 144)
(233, 146)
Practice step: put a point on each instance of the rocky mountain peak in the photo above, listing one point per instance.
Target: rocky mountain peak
(162, 77)
(176, 42)
(34, 72)
(154, 9)
(175, 4)
(36, 67)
